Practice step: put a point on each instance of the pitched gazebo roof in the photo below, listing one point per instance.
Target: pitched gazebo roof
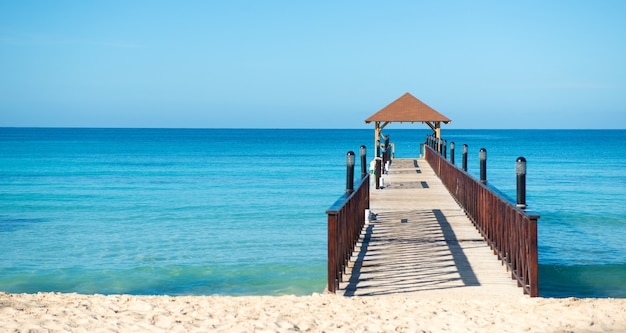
(407, 108)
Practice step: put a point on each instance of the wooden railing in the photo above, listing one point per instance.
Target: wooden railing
(346, 218)
(510, 231)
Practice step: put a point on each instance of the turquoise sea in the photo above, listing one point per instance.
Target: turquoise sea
(242, 211)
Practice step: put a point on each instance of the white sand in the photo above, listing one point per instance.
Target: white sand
(52, 312)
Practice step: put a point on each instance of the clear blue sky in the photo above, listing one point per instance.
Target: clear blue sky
(311, 64)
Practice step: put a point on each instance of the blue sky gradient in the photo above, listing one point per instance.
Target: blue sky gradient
(317, 64)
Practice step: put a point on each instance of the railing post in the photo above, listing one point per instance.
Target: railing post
(520, 170)
(387, 153)
(533, 258)
(482, 155)
(350, 172)
(445, 149)
(465, 157)
(332, 252)
(363, 161)
(378, 172)
(452, 152)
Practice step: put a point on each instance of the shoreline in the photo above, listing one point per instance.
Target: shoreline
(51, 311)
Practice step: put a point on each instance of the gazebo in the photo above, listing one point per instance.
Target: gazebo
(407, 108)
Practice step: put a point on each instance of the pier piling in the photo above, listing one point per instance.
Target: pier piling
(452, 152)
(520, 170)
(464, 157)
(350, 172)
(482, 155)
(363, 151)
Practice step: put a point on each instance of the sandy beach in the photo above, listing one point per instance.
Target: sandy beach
(56, 312)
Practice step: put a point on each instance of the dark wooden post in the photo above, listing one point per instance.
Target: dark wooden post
(387, 150)
(533, 257)
(520, 170)
(482, 155)
(363, 161)
(378, 171)
(452, 152)
(350, 172)
(333, 248)
(465, 157)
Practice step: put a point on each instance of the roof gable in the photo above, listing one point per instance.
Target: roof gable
(407, 108)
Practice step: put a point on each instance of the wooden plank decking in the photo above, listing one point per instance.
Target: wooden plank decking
(422, 242)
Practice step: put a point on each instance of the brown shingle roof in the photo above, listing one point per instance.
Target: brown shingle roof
(407, 108)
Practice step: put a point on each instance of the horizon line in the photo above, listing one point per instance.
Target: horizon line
(305, 128)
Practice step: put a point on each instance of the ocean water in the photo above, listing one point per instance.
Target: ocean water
(242, 211)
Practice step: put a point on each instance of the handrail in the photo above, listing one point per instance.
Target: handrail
(346, 218)
(510, 231)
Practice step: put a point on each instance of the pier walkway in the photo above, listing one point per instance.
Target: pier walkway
(422, 242)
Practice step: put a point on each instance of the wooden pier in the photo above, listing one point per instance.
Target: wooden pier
(437, 230)
(421, 241)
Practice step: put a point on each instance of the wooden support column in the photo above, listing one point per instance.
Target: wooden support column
(377, 134)
(377, 130)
